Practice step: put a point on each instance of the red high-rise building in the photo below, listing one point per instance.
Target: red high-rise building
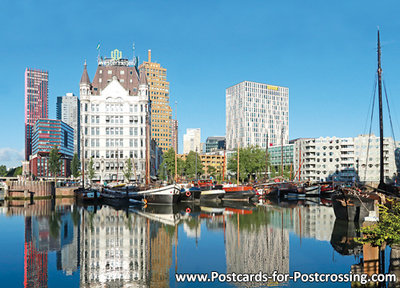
(36, 103)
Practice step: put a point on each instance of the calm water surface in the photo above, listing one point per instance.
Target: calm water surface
(65, 245)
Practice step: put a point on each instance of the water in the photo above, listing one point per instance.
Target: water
(65, 245)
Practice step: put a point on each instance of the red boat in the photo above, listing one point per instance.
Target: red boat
(243, 193)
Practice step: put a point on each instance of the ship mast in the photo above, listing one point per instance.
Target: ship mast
(381, 181)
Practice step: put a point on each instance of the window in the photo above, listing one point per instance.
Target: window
(109, 72)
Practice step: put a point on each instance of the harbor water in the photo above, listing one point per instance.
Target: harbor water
(65, 245)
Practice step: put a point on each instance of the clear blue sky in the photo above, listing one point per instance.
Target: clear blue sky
(324, 51)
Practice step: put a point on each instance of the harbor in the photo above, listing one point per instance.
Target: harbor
(89, 246)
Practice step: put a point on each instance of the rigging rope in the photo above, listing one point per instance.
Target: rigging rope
(370, 129)
(390, 115)
(372, 100)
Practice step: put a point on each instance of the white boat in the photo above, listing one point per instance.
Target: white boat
(212, 195)
(164, 195)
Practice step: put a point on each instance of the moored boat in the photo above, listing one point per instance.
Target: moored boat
(163, 195)
(212, 195)
(352, 204)
(190, 194)
(238, 193)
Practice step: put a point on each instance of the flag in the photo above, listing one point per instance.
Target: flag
(98, 46)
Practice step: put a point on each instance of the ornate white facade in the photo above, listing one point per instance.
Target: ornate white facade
(114, 113)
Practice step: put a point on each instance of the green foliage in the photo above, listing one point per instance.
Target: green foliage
(91, 169)
(251, 163)
(13, 172)
(387, 230)
(211, 171)
(75, 166)
(3, 170)
(54, 162)
(167, 168)
(276, 173)
(190, 165)
(128, 170)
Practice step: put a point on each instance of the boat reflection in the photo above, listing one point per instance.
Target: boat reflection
(141, 246)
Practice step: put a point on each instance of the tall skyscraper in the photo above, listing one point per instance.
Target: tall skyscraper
(255, 111)
(36, 103)
(68, 111)
(191, 140)
(115, 110)
(161, 112)
(175, 135)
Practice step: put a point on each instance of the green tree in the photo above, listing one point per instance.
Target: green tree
(54, 162)
(17, 171)
(386, 230)
(251, 163)
(167, 167)
(190, 165)
(3, 170)
(91, 169)
(75, 166)
(128, 170)
(211, 171)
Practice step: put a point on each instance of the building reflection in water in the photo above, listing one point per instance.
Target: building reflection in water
(124, 250)
(47, 229)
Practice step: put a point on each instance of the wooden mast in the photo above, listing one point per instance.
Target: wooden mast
(148, 143)
(300, 161)
(381, 181)
(83, 159)
(176, 145)
(237, 180)
(282, 152)
(266, 159)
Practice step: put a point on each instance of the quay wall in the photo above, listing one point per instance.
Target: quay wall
(39, 188)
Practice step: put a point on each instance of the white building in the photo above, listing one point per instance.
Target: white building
(255, 110)
(191, 140)
(114, 249)
(68, 111)
(114, 112)
(343, 159)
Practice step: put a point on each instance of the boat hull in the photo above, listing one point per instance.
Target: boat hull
(350, 207)
(239, 193)
(164, 195)
(190, 194)
(212, 195)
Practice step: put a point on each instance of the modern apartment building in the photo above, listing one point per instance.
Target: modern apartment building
(161, 112)
(191, 140)
(36, 103)
(47, 134)
(277, 158)
(68, 111)
(115, 118)
(343, 159)
(255, 112)
(215, 143)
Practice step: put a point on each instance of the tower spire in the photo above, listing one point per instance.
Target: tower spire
(85, 76)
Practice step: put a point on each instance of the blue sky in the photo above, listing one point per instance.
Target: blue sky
(324, 51)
